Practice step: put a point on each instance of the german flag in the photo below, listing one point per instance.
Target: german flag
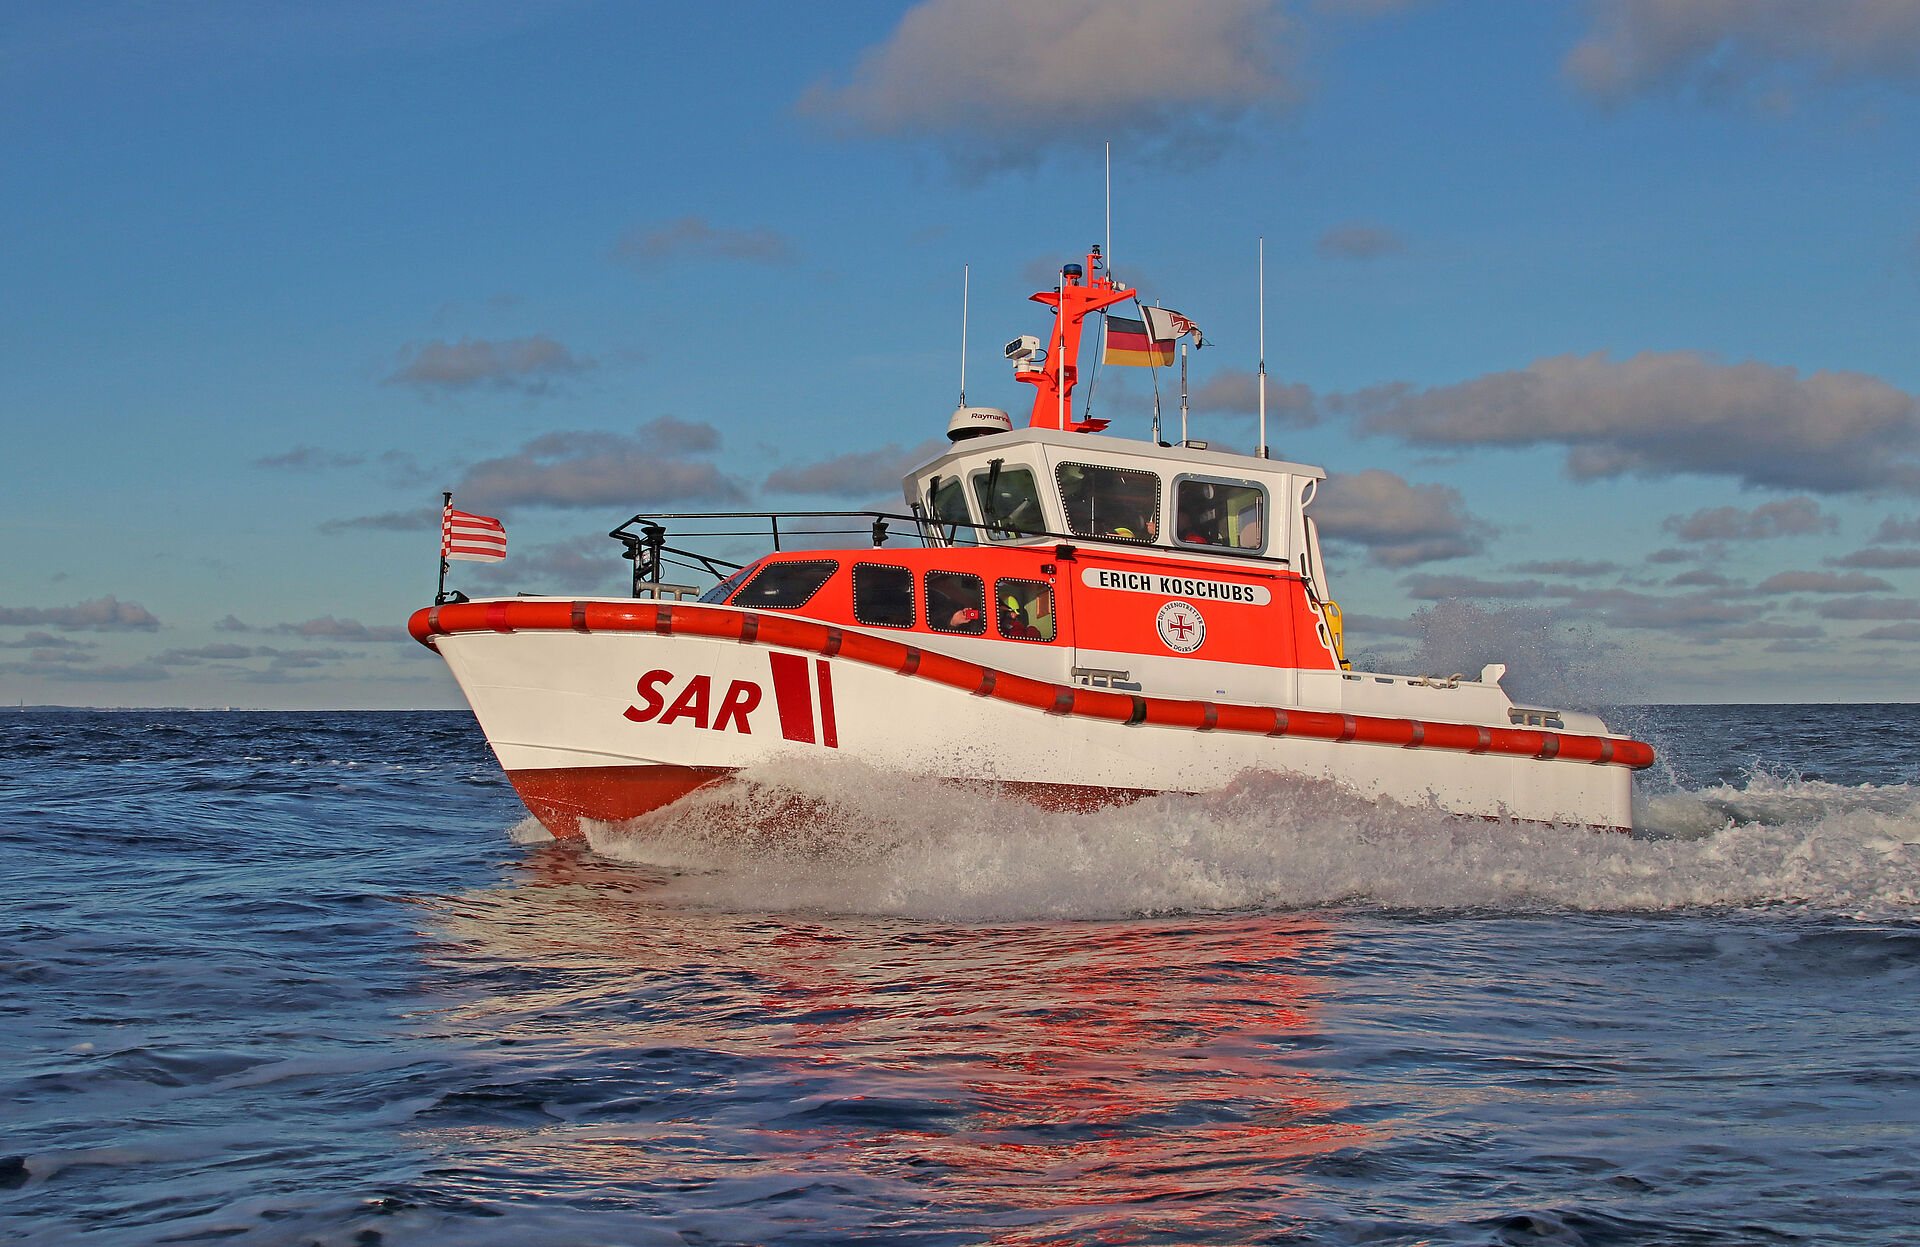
(1130, 345)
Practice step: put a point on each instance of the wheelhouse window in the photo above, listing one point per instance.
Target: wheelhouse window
(1110, 502)
(883, 595)
(1220, 513)
(786, 584)
(722, 591)
(1024, 609)
(948, 504)
(1010, 502)
(956, 602)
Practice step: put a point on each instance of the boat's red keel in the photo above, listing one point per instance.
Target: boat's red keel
(561, 797)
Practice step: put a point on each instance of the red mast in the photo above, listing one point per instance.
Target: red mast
(1054, 381)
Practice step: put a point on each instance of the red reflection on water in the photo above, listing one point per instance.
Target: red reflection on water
(1114, 1074)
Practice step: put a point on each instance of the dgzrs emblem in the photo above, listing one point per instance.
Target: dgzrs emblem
(1181, 627)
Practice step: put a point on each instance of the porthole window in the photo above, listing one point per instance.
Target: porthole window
(883, 595)
(1217, 513)
(956, 602)
(785, 585)
(1024, 609)
(1111, 502)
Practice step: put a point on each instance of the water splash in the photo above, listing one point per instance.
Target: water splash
(848, 838)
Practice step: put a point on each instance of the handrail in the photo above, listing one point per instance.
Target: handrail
(647, 548)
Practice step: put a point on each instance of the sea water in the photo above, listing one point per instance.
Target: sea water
(315, 979)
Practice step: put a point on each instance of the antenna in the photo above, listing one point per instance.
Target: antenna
(966, 281)
(1263, 346)
(1109, 250)
(1060, 365)
(1183, 390)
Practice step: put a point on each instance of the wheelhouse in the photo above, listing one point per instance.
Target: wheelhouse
(1042, 485)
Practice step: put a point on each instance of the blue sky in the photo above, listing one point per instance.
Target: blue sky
(1602, 314)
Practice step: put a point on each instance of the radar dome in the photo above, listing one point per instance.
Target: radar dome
(977, 422)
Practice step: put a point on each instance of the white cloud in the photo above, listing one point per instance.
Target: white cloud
(107, 614)
(1401, 524)
(857, 473)
(309, 458)
(530, 365)
(325, 627)
(1237, 391)
(1822, 582)
(1894, 529)
(1000, 83)
(1660, 413)
(1785, 517)
(1880, 559)
(1731, 48)
(1704, 615)
(694, 238)
(581, 565)
(1870, 608)
(1422, 586)
(386, 522)
(1578, 568)
(591, 468)
(1360, 240)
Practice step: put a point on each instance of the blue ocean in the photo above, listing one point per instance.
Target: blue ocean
(290, 978)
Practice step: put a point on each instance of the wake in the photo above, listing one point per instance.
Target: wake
(843, 837)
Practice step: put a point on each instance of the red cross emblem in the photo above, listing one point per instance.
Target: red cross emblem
(1182, 627)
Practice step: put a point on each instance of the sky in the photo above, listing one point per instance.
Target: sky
(1602, 315)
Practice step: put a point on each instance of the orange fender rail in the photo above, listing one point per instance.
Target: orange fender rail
(830, 641)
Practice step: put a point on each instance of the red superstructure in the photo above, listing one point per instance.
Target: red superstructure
(1077, 298)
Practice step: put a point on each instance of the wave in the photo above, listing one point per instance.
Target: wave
(845, 837)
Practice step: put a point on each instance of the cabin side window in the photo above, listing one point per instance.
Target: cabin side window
(1024, 609)
(785, 585)
(948, 505)
(1010, 502)
(883, 595)
(1218, 513)
(1110, 502)
(956, 602)
(724, 590)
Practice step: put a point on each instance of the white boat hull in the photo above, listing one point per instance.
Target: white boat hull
(609, 725)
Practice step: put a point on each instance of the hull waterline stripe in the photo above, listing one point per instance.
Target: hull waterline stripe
(809, 636)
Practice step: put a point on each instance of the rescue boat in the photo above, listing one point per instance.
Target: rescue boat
(1078, 618)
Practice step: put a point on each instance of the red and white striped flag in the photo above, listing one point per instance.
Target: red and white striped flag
(473, 538)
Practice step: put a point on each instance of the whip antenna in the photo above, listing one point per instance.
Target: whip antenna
(1263, 346)
(966, 278)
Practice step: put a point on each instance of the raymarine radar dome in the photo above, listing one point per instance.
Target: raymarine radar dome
(977, 422)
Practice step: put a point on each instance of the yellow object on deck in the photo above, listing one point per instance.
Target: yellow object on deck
(1334, 623)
